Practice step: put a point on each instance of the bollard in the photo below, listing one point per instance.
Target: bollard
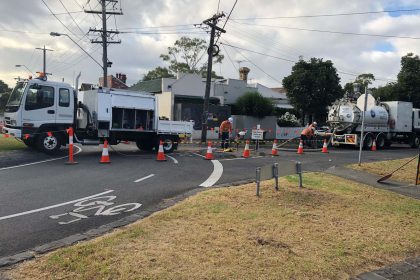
(299, 172)
(71, 152)
(276, 175)
(258, 179)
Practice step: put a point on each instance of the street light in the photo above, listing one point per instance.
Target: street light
(56, 34)
(21, 65)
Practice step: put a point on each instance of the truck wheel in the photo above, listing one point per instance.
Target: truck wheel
(380, 141)
(144, 145)
(49, 144)
(367, 144)
(415, 141)
(168, 145)
(31, 143)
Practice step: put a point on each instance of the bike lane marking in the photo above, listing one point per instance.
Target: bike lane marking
(172, 158)
(215, 175)
(144, 178)
(38, 162)
(52, 206)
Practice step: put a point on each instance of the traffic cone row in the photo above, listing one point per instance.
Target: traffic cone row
(373, 146)
(209, 154)
(246, 150)
(161, 153)
(324, 147)
(274, 148)
(105, 153)
(300, 148)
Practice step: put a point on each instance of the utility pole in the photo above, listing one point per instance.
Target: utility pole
(212, 51)
(105, 34)
(44, 67)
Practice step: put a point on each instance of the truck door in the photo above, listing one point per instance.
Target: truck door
(39, 105)
(65, 106)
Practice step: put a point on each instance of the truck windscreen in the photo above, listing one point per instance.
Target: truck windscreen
(15, 97)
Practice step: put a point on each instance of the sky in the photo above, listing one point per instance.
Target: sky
(267, 36)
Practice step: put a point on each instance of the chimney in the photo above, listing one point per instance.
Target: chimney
(123, 78)
(243, 73)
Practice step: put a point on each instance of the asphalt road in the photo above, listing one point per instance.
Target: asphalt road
(47, 201)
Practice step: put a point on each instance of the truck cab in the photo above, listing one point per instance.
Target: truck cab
(39, 112)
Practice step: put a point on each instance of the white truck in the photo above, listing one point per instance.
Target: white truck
(39, 112)
(385, 122)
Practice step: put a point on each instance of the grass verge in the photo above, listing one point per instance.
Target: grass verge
(406, 174)
(331, 229)
(7, 144)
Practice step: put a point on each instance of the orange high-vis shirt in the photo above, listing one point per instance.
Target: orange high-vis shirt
(308, 131)
(226, 126)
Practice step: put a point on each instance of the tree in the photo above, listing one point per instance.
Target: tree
(409, 79)
(387, 93)
(313, 86)
(363, 80)
(158, 72)
(4, 94)
(186, 54)
(254, 104)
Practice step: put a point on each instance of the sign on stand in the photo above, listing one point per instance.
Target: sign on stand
(257, 134)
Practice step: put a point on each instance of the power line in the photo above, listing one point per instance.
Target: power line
(334, 15)
(272, 56)
(160, 27)
(224, 25)
(231, 61)
(71, 16)
(331, 32)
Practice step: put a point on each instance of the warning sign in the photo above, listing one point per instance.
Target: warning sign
(257, 134)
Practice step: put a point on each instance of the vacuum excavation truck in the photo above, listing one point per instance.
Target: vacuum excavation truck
(385, 122)
(39, 111)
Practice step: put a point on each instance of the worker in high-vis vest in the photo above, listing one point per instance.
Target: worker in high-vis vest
(308, 132)
(225, 131)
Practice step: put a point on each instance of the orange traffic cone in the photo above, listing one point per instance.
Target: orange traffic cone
(6, 135)
(274, 149)
(324, 147)
(246, 150)
(300, 149)
(373, 146)
(161, 153)
(209, 154)
(105, 153)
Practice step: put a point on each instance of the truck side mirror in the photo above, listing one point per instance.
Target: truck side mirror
(36, 86)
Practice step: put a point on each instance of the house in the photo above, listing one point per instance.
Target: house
(182, 98)
(115, 82)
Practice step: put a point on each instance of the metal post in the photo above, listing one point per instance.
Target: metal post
(299, 172)
(418, 171)
(361, 142)
(258, 180)
(276, 175)
(104, 44)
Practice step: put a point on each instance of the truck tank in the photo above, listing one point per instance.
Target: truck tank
(345, 116)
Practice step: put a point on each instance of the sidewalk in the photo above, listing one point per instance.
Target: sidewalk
(408, 269)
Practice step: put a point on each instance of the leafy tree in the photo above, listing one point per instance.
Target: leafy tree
(186, 54)
(313, 86)
(4, 94)
(158, 72)
(409, 79)
(254, 104)
(389, 92)
(363, 80)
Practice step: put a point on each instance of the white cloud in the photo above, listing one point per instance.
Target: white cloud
(139, 53)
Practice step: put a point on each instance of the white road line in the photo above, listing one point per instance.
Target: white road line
(215, 176)
(174, 159)
(228, 159)
(38, 162)
(144, 178)
(52, 206)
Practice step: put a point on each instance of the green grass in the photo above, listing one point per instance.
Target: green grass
(331, 229)
(7, 144)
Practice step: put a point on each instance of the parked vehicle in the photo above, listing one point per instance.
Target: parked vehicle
(385, 122)
(39, 112)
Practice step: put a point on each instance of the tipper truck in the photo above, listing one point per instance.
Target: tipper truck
(39, 111)
(385, 123)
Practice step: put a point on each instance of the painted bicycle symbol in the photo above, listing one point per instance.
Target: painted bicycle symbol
(95, 206)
